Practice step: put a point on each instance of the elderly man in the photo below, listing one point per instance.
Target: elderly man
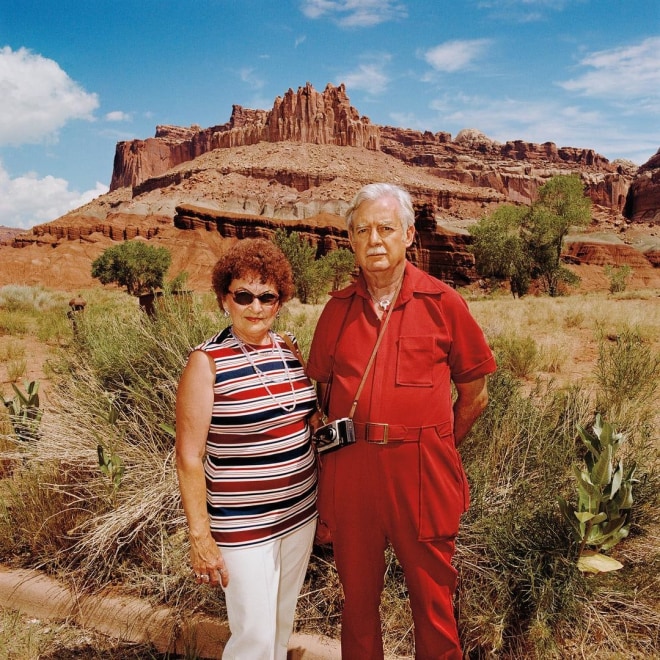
(402, 481)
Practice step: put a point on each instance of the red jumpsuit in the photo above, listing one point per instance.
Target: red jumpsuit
(411, 491)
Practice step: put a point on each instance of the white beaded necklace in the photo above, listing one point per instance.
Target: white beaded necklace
(263, 377)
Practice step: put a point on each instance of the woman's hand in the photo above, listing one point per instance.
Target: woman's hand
(317, 420)
(207, 562)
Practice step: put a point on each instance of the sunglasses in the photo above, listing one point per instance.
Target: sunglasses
(245, 298)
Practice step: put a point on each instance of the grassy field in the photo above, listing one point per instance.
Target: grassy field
(119, 522)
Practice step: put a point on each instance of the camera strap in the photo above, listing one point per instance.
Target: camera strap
(294, 348)
(381, 333)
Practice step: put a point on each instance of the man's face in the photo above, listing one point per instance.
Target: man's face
(377, 236)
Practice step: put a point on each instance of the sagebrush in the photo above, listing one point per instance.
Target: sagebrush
(521, 594)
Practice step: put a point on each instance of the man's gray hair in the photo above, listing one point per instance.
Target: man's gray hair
(374, 191)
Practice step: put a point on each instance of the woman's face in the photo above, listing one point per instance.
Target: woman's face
(252, 319)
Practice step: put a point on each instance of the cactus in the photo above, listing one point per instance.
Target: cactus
(24, 413)
(111, 466)
(602, 516)
(110, 462)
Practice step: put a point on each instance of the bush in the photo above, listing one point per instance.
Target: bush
(23, 298)
(618, 277)
(13, 323)
(627, 369)
(520, 594)
(138, 266)
(519, 355)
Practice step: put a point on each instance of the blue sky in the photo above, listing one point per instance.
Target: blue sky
(77, 77)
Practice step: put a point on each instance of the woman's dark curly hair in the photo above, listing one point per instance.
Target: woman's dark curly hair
(256, 257)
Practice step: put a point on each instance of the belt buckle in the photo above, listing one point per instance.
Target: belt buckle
(385, 431)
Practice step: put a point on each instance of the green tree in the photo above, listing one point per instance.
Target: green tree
(134, 264)
(499, 249)
(521, 243)
(340, 263)
(309, 275)
(618, 276)
(562, 204)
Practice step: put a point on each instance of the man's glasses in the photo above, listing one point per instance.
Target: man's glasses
(245, 298)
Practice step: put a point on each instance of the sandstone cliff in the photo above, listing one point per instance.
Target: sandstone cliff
(515, 169)
(302, 116)
(644, 198)
(299, 164)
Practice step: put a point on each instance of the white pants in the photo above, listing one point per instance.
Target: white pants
(264, 584)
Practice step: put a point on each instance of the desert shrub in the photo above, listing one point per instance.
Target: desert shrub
(627, 369)
(131, 362)
(12, 350)
(13, 323)
(53, 326)
(23, 298)
(519, 355)
(618, 277)
(573, 319)
(514, 552)
(301, 321)
(19, 639)
(138, 356)
(321, 600)
(520, 593)
(16, 369)
(32, 310)
(552, 358)
(28, 638)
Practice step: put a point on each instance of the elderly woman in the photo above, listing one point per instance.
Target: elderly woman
(244, 459)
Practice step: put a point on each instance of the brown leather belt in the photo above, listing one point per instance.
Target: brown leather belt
(383, 434)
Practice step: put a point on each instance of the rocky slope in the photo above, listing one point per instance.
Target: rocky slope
(298, 165)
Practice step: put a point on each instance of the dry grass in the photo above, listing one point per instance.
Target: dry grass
(26, 638)
(567, 330)
(520, 596)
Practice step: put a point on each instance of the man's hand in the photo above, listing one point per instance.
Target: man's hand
(471, 401)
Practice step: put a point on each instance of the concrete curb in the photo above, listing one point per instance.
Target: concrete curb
(135, 620)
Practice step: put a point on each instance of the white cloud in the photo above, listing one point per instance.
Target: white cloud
(622, 74)
(27, 200)
(118, 115)
(522, 11)
(452, 56)
(355, 13)
(248, 75)
(369, 77)
(38, 98)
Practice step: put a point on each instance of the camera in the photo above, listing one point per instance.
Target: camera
(334, 435)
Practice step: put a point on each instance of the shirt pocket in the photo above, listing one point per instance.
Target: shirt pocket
(415, 361)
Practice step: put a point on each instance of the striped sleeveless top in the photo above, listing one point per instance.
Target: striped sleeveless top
(260, 466)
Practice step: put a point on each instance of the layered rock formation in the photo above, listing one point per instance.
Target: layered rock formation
(442, 253)
(299, 164)
(302, 116)
(515, 169)
(644, 198)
